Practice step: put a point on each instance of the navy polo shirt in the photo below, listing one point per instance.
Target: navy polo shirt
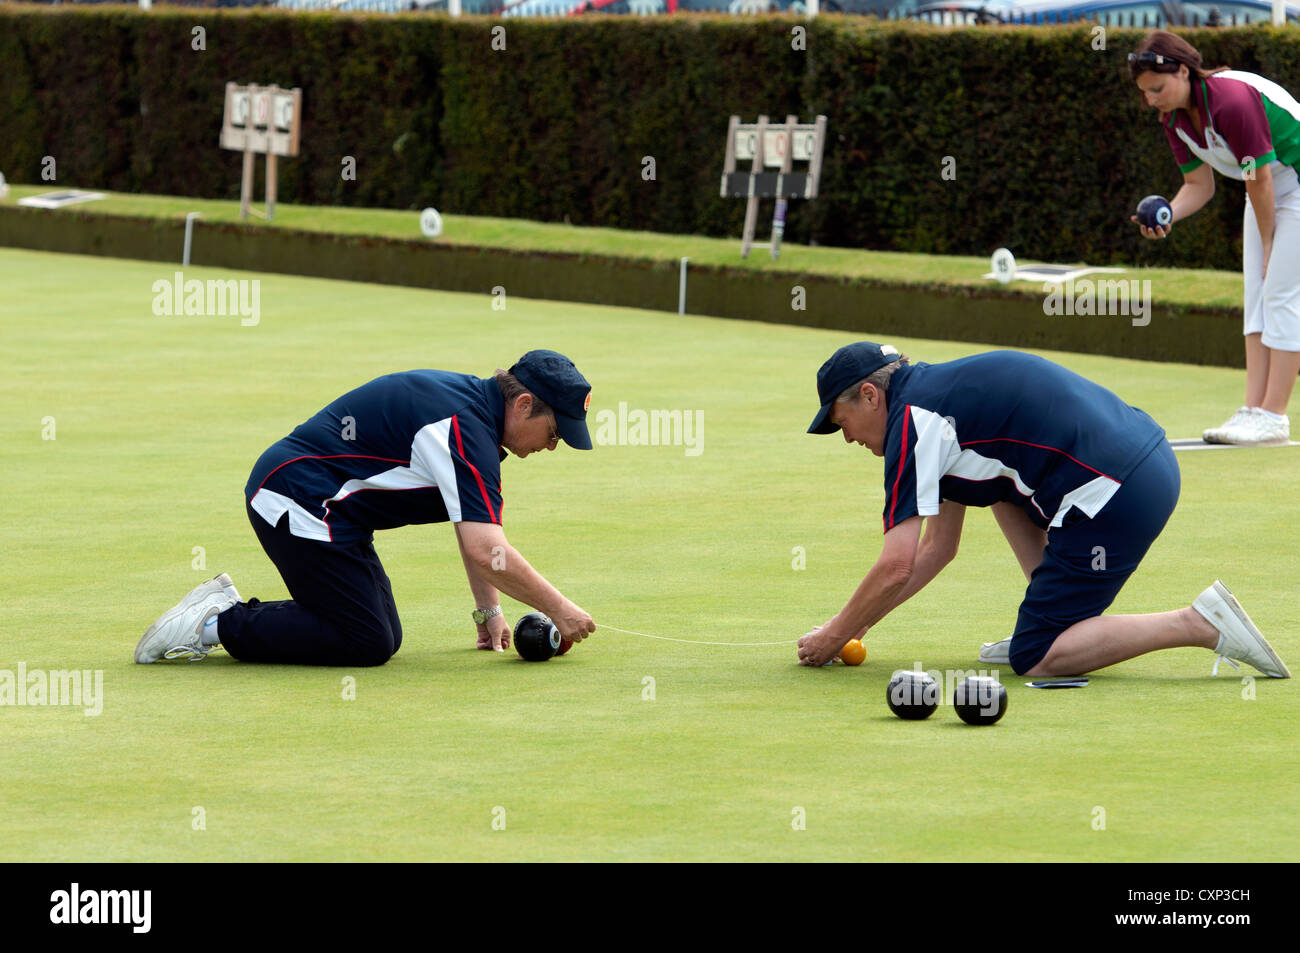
(415, 447)
(1008, 427)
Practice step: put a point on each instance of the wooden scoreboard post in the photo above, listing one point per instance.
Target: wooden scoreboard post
(756, 144)
(262, 120)
(772, 146)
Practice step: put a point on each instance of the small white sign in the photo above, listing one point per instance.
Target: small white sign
(804, 141)
(1004, 266)
(283, 111)
(262, 109)
(262, 119)
(431, 223)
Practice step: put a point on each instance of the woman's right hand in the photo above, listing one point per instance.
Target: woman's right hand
(1160, 231)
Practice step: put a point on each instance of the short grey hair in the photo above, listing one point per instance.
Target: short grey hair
(879, 380)
(512, 387)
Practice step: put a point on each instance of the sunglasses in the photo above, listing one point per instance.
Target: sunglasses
(1157, 59)
(555, 432)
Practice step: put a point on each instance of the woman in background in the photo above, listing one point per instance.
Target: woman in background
(1247, 128)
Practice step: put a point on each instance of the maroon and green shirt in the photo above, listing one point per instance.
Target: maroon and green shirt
(1245, 118)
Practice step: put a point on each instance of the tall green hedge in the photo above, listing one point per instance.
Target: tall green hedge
(1050, 144)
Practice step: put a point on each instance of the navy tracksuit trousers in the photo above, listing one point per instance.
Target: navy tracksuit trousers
(342, 611)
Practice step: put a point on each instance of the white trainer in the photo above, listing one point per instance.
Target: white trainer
(1239, 417)
(178, 631)
(1240, 639)
(1258, 430)
(998, 653)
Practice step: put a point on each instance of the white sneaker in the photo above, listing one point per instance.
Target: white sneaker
(998, 653)
(177, 633)
(1259, 431)
(1239, 417)
(1241, 639)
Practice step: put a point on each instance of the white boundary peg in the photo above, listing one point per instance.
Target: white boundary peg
(681, 288)
(189, 235)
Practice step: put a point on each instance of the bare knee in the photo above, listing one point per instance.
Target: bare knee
(1055, 664)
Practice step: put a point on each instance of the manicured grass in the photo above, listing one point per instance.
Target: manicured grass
(158, 420)
(1178, 287)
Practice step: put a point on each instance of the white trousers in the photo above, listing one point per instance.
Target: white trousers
(1272, 304)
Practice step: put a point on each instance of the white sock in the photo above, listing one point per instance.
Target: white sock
(209, 634)
(1269, 415)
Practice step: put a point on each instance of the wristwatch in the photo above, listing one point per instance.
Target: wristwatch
(482, 615)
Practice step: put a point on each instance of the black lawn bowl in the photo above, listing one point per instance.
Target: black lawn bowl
(980, 700)
(912, 695)
(536, 638)
(1154, 210)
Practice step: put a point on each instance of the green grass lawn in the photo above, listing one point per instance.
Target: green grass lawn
(1179, 287)
(157, 421)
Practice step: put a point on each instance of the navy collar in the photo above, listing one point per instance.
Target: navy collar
(496, 407)
(897, 380)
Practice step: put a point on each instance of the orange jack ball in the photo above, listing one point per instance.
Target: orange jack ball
(854, 653)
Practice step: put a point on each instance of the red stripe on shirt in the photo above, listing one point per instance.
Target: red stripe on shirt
(1026, 443)
(336, 456)
(902, 456)
(460, 448)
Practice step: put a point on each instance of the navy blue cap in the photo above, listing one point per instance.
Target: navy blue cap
(553, 378)
(842, 370)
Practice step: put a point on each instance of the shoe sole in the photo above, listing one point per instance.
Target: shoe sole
(1273, 442)
(222, 582)
(1253, 630)
(1279, 442)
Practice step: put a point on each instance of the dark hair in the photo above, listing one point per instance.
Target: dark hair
(512, 388)
(1176, 52)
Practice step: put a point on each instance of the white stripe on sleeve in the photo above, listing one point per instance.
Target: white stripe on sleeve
(431, 458)
(936, 452)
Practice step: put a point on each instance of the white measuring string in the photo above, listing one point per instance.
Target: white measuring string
(664, 638)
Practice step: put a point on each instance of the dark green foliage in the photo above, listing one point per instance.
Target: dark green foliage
(1050, 144)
